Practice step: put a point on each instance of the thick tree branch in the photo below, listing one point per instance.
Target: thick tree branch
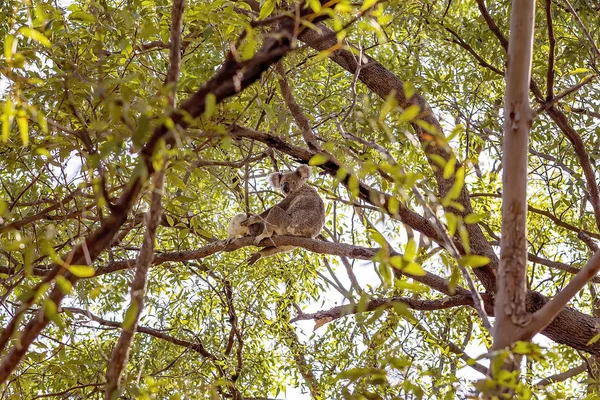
(299, 116)
(544, 316)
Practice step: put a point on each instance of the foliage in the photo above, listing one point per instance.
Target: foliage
(83, 89)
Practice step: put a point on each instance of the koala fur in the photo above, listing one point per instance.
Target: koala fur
(236, 229)
(301, 213)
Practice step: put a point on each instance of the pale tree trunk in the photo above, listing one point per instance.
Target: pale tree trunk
(510, 311)
(513, 322)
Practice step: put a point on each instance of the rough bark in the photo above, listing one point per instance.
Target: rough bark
(510, 309)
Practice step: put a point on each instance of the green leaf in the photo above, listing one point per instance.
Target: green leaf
(410, 250)
(367, 4)
(210, 105)
(579, 71)
(473, 260)
(413, 268)
(318, 159)
(266, 9)
(34, 35)
(410, 113)
(130, 315)
(474, 218)
(64, 284)
(10, 46)
(23, 125)
(81, 271)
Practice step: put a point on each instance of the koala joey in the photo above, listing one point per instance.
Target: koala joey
(236, 229)
(300, 213)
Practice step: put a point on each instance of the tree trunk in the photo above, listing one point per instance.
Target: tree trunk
(510, 307)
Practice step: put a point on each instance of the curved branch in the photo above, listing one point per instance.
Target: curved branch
(381, 304)
(197, 347)
(563, 376)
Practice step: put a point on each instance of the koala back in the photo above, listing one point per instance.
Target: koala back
(307, 211)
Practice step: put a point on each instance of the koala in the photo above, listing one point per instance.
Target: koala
(236, 229)
(300, 213)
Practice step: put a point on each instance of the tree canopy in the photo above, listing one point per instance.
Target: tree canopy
(133, 131)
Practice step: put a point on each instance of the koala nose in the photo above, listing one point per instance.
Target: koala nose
(286, 187)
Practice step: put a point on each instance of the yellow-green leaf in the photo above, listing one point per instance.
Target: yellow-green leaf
(35, 35)
(315, 5)
(353, 185)
(396, 262)
(130, 315)
(393, 205)
(413, 268)
(23, 128)
(51, 310)
(388, 105)
(9, 47)
(409, 89)
(410, 113)
(210, 105)
(411, 250)
(266, 9)
(473, 260)
(64, 284)
(439, 160)
(594, 340)
(81, 271)
(367, 4)
(579, 71)
(449, 167)
(474, 218)
(318, 159)
(454, 192)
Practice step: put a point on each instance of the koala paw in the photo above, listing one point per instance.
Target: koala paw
(259, 239)
(228, 241)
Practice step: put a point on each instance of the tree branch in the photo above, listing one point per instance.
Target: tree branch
(325, 316)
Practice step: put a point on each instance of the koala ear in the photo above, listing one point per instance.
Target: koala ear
(303, 171)
(275, 179)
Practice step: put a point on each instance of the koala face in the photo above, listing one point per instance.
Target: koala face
(290, 182)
